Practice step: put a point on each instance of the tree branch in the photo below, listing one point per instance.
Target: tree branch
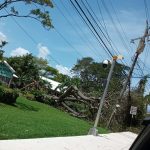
(20, 16)
(8, 2)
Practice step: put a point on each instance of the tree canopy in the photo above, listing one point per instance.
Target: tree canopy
(33, 10)
(26, 68)
(93, 76)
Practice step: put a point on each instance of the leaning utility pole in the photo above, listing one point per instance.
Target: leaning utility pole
(94, 131)
(139, 50)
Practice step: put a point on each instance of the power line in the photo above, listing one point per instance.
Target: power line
(146, 10)
(28, 35)
(126, 38)
(67, 42)
(101, 42)
(121, 27)
(102, 16)
(109, 40)
(79, 27)
(76, 29)
(116, 28)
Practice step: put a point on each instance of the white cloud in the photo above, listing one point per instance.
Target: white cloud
(2, 37)
(64, 70)
(19, 52)
(43, 51)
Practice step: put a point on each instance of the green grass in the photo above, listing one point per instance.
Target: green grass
(30, 119)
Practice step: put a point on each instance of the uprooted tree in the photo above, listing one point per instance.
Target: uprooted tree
(33, 10)
(81, 94)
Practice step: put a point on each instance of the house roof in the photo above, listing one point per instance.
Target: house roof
(54, 84)
(6, 63)
(10, 68)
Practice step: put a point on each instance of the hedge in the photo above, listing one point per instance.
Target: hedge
(8, 95)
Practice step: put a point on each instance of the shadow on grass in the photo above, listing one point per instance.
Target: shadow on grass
(25, 107)
(22, 106)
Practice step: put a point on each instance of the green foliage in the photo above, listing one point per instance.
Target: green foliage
(30, 119)
(26, 69)
(41, 96)
(1, 54)
(52, 70)
(138, 100)
(29, 96)
(8, 95)
(93, 76)
(61, 78)
(1, 83)
(33, 9)
(44, 69)
(41, 63)
(3, 43)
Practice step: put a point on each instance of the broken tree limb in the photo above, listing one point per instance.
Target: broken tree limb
(66, 93)
(74, 113)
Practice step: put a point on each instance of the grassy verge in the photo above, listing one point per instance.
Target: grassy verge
(30, 119)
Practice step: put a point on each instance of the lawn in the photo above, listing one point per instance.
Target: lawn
(30, 119)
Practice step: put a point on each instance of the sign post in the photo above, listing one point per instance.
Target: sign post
(133, 112)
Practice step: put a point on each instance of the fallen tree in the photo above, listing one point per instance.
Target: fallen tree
(70, 99)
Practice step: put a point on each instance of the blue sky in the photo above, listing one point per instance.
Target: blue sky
(79, 41)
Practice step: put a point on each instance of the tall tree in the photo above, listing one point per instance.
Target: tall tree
(26, 69)
(93, 76)
(33, 9)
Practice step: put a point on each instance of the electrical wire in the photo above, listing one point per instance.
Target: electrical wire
(102, 43)
(146, 10)
(126, 38)
(29, 36)
(76, 28)
(109, 40)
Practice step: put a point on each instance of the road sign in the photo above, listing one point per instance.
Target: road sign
(133, 110)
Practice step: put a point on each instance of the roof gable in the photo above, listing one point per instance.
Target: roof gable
(9, 67)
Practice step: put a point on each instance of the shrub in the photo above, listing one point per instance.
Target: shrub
(40, 96)
(29, 96)
(8, 95)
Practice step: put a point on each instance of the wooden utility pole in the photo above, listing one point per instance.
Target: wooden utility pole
(139, 50)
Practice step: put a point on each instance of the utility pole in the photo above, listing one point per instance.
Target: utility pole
(139, 50)
(94, 131)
